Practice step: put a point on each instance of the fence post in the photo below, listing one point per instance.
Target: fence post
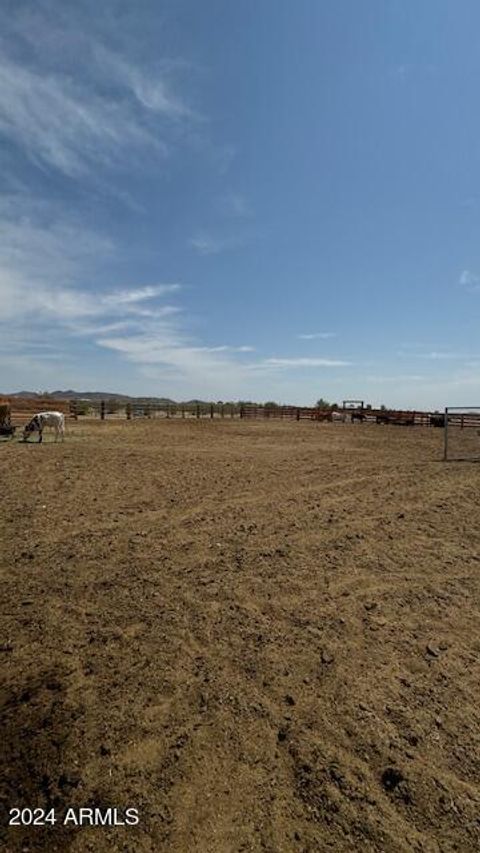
(102, 410)
(211, 410)
(222, 411)
(298, 414)
(128, 411)
(198, 411)
(242, 411)
(445, 434)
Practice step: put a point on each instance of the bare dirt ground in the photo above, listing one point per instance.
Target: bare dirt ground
(264, 637)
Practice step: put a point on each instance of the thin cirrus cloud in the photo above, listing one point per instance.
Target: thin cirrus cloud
(58, 124)
(43, 255)
(40, 267)
(69, 305)
(170, 354)
(286, 363)
(407, 377)
(133, 296)
(151, 90)
(316, 336)
(165, 351)
(79, 107)
(106, 116)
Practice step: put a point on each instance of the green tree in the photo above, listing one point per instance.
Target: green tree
(322, 404)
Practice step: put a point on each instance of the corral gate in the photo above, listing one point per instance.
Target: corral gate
(353, 404)
(462, 434)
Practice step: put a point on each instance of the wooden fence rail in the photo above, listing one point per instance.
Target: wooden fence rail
(22, 409)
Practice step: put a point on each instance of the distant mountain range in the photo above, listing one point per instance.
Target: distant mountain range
(70, 394)
(102, 395)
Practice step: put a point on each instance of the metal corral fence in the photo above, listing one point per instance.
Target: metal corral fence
(462, 433)
(21, 409)
(107, 409)
(346, 415)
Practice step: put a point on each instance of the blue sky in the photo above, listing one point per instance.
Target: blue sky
(263, 200)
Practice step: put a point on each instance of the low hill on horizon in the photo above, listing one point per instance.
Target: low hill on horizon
(96, 396)
(70, 394)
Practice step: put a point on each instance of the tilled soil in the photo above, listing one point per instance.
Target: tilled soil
(263, 636)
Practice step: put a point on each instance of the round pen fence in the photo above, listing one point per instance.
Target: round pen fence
(462, 434)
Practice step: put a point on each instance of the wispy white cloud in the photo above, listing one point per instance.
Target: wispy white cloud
(151, 88)
(59, 124)
(165, 344)
(74, 105)
(42, 261)
(285, 363)
(317, 336)
(38, 301)
(141, 294)
(166, 353)
(224, 348)
(39, 239)
(393, 378)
